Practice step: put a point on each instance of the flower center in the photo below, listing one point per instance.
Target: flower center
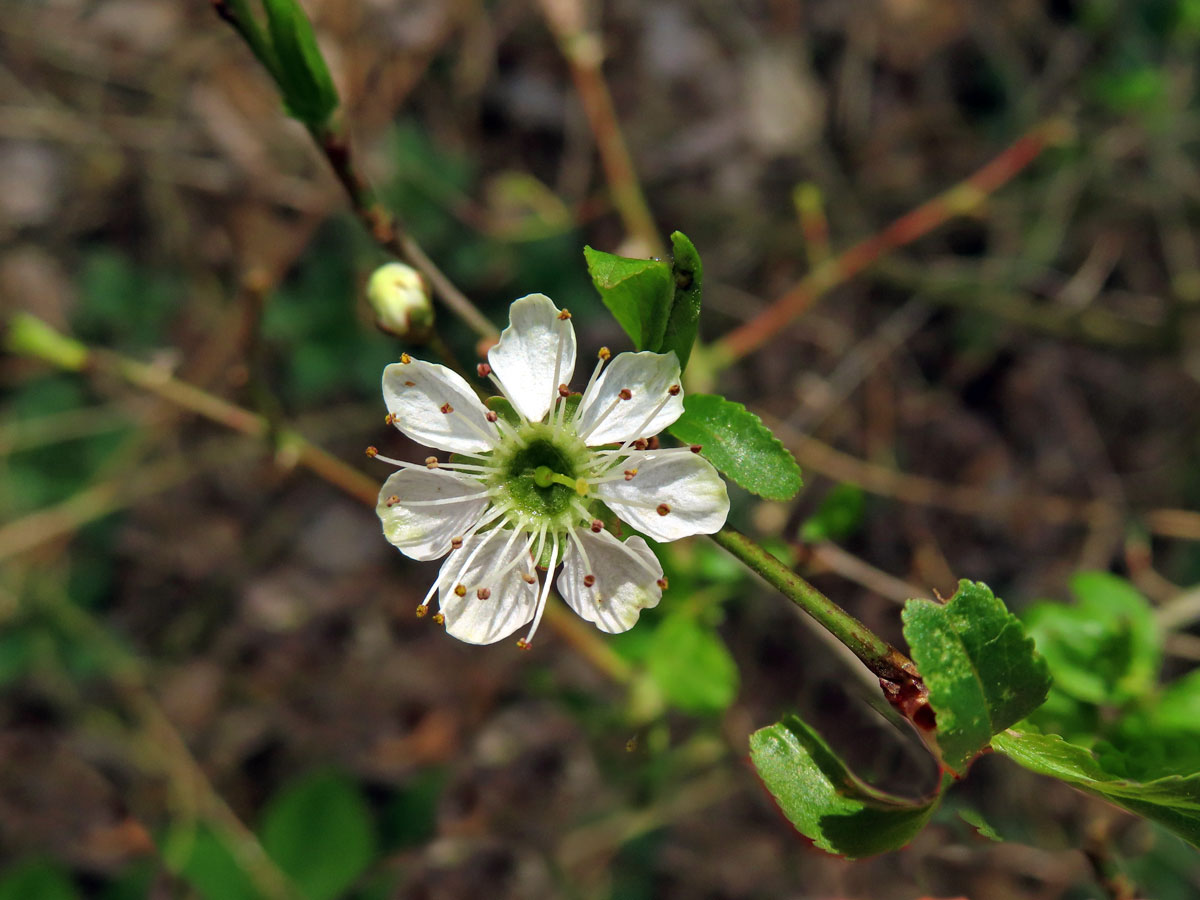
(540, 472)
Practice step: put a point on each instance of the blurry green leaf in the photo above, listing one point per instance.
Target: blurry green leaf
(1179, 705)
(205, 861)
(838, 516)
(410, 818)
(683, 321)
(737, 442)
(1104, 649)
(691, 666)
(37, 880)
(979, 665)
(1173, 801)
(303, 77)
(122, 305)
(319, 832)
(638, 292)
(827, 802)
(976, 820)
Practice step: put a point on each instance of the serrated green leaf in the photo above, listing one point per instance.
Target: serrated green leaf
(737, 442)
(303, 78)
(638, 292)
(838, 516)
(319, 832)
(691, 666)
(683, 321)
(979, 665)
(1173, 801)
(827, 802)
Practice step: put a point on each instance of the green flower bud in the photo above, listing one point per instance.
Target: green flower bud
(400, 299)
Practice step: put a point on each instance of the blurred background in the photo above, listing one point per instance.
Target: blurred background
(212, 678)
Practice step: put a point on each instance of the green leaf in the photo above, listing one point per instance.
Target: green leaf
(1173, 801)
(303, 77)
(638, 292)
(691, 666)
(838, 516)
(979, 665)
(319, 832)
(684, 319)
(37, 880)
(204, 860)
(827, 802)
(737, 442)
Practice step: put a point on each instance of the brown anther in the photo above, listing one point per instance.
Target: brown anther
(564, 315)
(629, 473)
(389, 419)
(653, 443)
(528, 578)
(639, 444)
(604, 354)
(460, 590)
(391, 501)
(439, 618)
(431, 462)
(597, 526)
(455, 543)
(484, 370)
(491, 415)
(589, 580)
(483, 593)
(446, 408)
(523, 644)
(695, 448)
(673, 390)
(662, 509)
(405, 358)
(410, 384)
(625, 394)
(372, 452)
(662, 583)
(563, 391)
(422, 611)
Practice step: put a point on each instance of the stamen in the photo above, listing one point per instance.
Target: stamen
(589, 580)
(662, 509)
(597, 526)
(587, 563)
(483, 593)
(541, 605)
(484, 370)
(650, 418)
(557, 368)
(372, 452)
(405, 358)
(460, 590)
(495, 379)
(439, 619)
(422, 611)
(603, 356)
(625, 394)
(629, 473)
(456, 543)
(445, 501)
(389, 419)
(446, 408)
(583, 435)
(662, 583)
(431, 462)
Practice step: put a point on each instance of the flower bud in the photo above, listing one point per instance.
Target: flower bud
(400, 299)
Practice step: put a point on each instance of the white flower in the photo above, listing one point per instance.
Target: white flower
(519, 496)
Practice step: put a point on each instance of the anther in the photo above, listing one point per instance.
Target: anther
(528, 579)
(491, 415)
(597, 526)
(629, 473)
(410, 384)
(439, 618)
(625, 394)
(422, 611)
(695, 448)
(639, 444)
(523, 644)
(460, 590)
(455, 543)
(446, 408)
(483, 593)
(604, 354)
(563, 391)
(662, 509)
(662, 584)
(405, 358)
(391, 501)
(431, 462)
(589, 580)
(372, 451)
(389, 419)
(673, 390)
(484, 370)
(564, 315)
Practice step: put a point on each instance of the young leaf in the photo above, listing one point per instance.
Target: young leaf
(638, 292)
(691, 666)
(737, 442)
(979, 664)
(319, 832)
(1173, 801)
(684, 318)
(303, 77)
(826, 801)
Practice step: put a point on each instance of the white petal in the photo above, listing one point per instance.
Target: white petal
(531, 347)
(685, 485)
(436, 407)
(626, 582)
(425, 532)
(512, 600)
(648, 377)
